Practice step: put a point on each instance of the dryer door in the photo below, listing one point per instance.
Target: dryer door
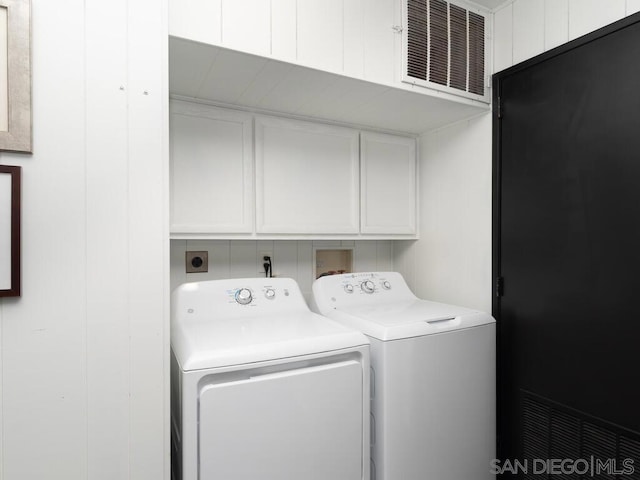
(290, 425)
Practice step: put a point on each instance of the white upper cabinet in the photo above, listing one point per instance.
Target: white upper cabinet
(388, 184)
(236, 174)
(211, 170)
(306, 178)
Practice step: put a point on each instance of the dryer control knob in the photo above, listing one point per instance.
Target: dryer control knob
(367, 286)
(348, 288)
(243, 296)
(270, 293)
(386, 285)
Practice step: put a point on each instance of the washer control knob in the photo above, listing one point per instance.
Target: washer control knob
(367, 286)
(386, 285)
(348, 288)
(270, 293)
(243, 296)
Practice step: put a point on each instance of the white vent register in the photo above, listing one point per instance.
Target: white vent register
(445, 48)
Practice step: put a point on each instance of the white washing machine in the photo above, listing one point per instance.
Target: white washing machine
(433, 377)
(262, 388)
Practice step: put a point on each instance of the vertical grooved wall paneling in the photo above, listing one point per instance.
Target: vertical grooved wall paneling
(379, 41)
(83, 350)
(148, 227)
(588, 15)
(365, 256)
(556, 23)
(354, 43)
(108, 322)
(633, 6)
(43, 349)
(199, 20)
(283, 30)
(291, 258)
(320, 36)
(503, 38)
(453, 254)
(354, 37)
(246, 25)
(525, 28)
(528, 29)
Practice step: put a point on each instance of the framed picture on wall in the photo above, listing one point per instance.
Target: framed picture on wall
(9, 231)
(15, 75)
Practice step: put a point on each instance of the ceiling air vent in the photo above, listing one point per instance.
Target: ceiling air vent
(445, 48)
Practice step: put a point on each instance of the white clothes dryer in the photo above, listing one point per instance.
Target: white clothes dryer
(433, 377)
(262, 388)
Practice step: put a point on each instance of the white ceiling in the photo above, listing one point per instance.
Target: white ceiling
(233, 78)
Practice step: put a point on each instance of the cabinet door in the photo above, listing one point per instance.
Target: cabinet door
(306, 177)
(388, 195)
(211, 170)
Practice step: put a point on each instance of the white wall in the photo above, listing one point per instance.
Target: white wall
(291, 258)
(526, 28)
(452, 260)
(83, 351)
(353, 37)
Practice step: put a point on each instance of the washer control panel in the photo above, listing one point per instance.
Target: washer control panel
(353, 284)
(368, 286)
(361, 288)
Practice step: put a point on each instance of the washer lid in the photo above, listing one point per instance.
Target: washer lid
(381, 305)
(412, 318)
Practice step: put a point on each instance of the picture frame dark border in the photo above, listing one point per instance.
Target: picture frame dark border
(18, 138)
(16, 179)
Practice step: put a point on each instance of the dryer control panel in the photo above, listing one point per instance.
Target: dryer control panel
(241, 297)
(251, 295)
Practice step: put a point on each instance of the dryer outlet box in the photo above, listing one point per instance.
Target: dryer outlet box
(197, 262)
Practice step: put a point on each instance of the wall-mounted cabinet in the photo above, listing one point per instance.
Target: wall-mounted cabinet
(310, 179)
(388, 184)
(211, 170)
(306, 177)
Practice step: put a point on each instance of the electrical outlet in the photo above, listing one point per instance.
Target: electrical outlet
(261, 260)
(197, 262)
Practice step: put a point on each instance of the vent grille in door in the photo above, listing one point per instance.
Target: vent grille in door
(445, 47)
(554, 431)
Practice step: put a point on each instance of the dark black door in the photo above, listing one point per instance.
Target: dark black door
(567, 244)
